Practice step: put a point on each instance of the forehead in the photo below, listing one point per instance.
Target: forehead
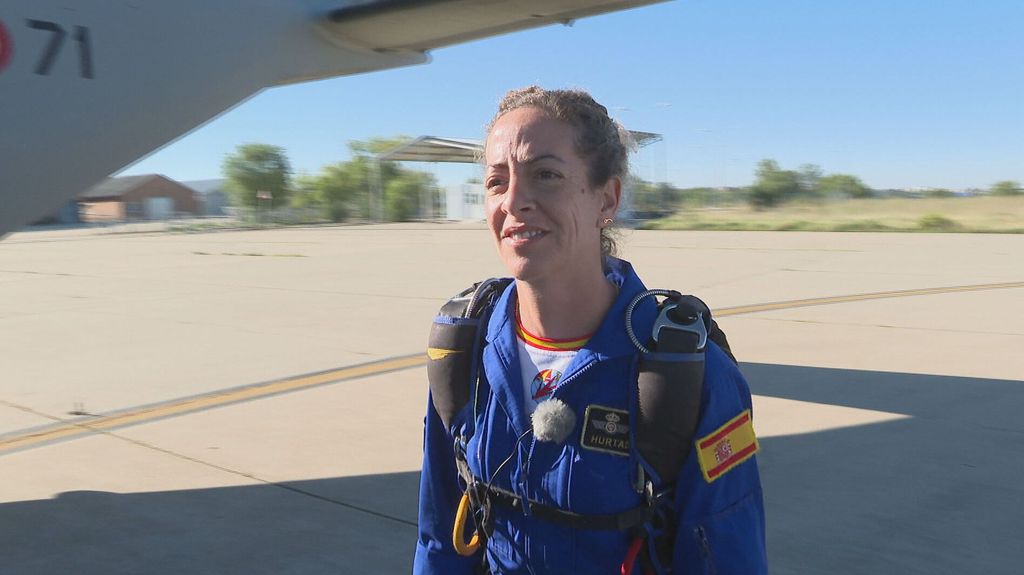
(526, 133)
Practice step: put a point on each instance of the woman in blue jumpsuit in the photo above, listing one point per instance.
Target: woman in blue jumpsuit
(554, 165)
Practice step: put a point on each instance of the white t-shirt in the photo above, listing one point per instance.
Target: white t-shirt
(543, 361)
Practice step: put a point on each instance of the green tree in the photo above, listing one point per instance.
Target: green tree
(650, 200)
(773, 185)
(257, 168)
(696, 197)
(348, 189)
(729, 196)
(844, 186)
(642, 196)
(304, 193)
(342, 189)
(371, 177)
(668, 196)
(1006, 188)
(405, 194)
(809, 177)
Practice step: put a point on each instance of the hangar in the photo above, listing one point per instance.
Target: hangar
(133, 198)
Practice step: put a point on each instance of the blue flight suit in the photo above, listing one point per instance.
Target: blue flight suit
(720, 523)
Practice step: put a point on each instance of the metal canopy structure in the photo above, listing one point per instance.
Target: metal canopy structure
(452, 150)
(433, 149)
(643, 139)
(459, 150)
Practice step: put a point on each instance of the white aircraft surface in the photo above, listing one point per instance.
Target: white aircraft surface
(87, 87)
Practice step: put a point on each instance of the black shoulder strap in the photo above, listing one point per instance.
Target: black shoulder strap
(670, 382)
(454, 343)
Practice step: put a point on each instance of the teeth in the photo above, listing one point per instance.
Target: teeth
(525, 235)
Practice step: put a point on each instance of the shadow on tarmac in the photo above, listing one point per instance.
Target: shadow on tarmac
(302, 527)
(935, 493)
(938, 492)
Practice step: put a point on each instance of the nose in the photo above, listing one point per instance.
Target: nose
(518, 196)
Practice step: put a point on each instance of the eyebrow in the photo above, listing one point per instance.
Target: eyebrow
(533, 160)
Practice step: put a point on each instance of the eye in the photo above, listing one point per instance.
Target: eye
(544, 174)
(495, 184)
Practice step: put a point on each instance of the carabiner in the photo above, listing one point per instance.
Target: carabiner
(461, 546)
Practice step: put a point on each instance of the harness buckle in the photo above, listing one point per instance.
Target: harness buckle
(679, 327)
(684, 319)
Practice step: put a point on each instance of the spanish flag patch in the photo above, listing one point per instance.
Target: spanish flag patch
(727, 447)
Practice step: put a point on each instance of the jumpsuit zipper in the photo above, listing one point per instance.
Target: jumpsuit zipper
(524, 477)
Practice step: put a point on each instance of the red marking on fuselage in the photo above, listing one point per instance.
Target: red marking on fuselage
(6, 47)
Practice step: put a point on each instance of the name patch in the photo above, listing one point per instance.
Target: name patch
(727, 447)
(606, 429)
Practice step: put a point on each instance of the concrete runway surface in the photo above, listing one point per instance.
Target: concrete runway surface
(251, 402)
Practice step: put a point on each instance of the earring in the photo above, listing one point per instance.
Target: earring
(608, 221)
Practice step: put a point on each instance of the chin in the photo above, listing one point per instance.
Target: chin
(523, 269)
(519, 272)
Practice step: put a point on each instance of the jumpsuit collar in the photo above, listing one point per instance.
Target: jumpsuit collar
(610, 340)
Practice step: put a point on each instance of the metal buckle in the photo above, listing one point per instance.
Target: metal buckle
(664, 320)
(696, 326)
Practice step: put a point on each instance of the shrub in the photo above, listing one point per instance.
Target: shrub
(1006, 188)
(861, 226)
(936, 223)
(796, 226)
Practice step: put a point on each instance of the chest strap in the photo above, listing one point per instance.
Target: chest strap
(483, 498)
(622, 521)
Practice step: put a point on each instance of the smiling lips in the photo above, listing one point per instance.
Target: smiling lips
(522, 235)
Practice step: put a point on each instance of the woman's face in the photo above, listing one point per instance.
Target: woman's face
(545, 216)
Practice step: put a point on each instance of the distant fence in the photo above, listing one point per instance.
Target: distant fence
(284, 216)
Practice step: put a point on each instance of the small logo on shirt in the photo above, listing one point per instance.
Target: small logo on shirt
(611, 422)
(544, 384)
(606, 429)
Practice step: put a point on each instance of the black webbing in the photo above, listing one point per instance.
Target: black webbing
(608, 522)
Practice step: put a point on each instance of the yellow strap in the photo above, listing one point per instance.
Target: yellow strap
(464, 549)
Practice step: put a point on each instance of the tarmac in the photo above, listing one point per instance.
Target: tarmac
(251, 402)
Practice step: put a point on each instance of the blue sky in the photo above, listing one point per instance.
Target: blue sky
(906, 93)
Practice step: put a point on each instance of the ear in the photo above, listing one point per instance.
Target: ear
(611, 195)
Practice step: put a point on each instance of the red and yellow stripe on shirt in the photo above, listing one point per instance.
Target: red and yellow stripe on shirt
(727, 447)
(547, 343)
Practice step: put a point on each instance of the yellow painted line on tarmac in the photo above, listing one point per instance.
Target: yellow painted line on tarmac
(71, 429)
(216, 399)
(744, 309)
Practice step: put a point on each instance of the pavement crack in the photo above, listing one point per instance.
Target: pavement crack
(28, 409)
(35, 273)
(256, 478)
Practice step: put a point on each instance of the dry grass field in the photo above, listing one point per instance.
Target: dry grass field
(976, 214)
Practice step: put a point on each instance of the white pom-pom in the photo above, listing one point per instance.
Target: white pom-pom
(553, 420)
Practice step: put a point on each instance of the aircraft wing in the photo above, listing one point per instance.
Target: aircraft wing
(405, 25)
(87, 91)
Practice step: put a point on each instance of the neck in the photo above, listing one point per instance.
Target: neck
(565, 309)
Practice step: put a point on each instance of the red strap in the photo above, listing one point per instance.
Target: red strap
(634, 550)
